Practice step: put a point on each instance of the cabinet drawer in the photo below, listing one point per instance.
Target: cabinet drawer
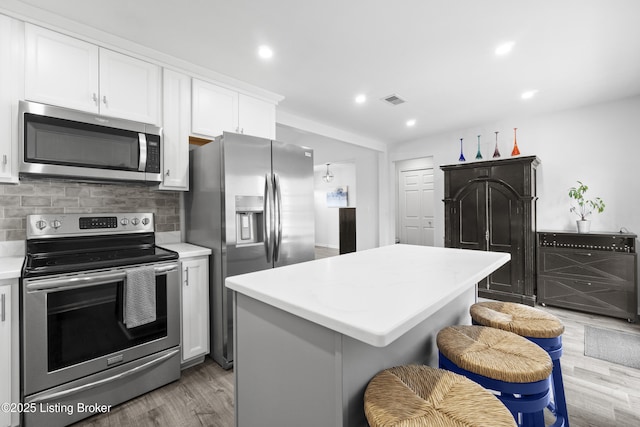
(612, 299)
(588, 265)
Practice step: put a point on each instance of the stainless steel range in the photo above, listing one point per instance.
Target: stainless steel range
(99, 315)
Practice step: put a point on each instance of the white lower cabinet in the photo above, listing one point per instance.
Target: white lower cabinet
(195, 307)
(8, 351)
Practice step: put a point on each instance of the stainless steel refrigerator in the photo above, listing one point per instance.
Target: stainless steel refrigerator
(251, 202)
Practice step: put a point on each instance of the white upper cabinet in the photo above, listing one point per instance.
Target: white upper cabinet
(129, 87)
(217, 109)
(176, 92)
(65, 71)
(214, 109)
(257, 117)
(60, 70)
(11, 90)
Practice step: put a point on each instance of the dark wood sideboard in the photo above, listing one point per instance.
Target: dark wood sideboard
(590, 272)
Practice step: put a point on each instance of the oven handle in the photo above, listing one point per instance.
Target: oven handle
(84, 387)
(92, 280)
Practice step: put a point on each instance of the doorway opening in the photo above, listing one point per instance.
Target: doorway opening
(332, 197)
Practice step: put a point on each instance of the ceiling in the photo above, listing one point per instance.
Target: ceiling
(437, 55)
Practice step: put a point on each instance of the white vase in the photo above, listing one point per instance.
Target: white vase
(584, 225)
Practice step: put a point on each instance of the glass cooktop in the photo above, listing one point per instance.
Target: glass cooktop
(68, 255)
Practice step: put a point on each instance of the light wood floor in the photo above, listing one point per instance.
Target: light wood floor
(599, 393)
(202, 397)
(325, 252)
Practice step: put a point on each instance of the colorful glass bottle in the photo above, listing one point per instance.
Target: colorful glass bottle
(496, 152)
(478, 154)
(516, 151)
(462, 159)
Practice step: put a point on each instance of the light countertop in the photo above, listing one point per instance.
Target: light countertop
(187, 250)
(374, 296)
(11, 267)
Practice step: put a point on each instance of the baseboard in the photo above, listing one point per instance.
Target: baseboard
(507, 297)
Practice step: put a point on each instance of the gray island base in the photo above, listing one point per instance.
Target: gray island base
(309, 337)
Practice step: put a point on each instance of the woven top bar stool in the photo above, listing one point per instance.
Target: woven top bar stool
(501, 361)
(537, 326)
(418, 395)
(517, 318)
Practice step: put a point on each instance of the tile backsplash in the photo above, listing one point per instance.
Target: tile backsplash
(57, 196)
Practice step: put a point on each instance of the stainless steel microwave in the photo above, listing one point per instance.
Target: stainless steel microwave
(64, 143)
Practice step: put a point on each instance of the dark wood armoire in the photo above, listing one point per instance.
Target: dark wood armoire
(491, 206)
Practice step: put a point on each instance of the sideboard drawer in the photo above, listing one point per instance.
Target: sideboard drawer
(615, 299)
(588, 265)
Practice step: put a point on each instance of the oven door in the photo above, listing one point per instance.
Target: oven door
(74, 325)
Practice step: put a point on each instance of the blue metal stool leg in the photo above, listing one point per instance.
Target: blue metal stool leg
(526, 401)
(558, 406)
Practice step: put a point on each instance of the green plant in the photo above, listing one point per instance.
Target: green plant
(584, 206)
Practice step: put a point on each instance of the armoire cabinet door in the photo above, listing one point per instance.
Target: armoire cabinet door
(488, 216)
(471, 218)
(505, 227)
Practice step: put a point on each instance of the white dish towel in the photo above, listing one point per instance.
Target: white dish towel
(140, 297)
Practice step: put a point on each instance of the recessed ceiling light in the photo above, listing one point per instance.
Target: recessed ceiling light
(360, 99)
(265, 52)
(529, 94)
(504, 48)
(411, 122)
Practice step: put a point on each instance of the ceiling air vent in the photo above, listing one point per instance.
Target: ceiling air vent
(393, 99)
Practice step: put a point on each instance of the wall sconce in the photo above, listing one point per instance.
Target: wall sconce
(328, 177)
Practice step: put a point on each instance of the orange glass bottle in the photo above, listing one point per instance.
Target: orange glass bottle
(516, 151)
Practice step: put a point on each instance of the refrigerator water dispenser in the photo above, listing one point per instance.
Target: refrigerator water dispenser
(249, 220)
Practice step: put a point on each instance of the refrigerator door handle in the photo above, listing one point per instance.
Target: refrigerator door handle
(267, 217)
(278, 216)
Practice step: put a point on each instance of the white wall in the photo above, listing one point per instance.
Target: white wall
(327, 224)
(367, 166)
(598, 144)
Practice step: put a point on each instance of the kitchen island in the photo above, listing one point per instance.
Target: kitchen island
(310, 336)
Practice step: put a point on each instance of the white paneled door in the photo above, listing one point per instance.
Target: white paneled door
(416, 207)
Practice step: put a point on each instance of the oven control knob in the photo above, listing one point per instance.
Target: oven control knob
(124, 221)
(41, 224)
(145, 221)
(135, 221)
(56, 224)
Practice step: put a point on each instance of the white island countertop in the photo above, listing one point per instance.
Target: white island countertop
(374, 296)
